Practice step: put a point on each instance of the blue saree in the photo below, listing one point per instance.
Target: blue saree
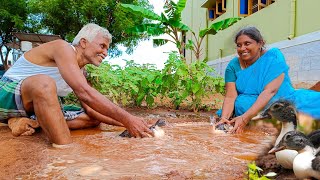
(250, 82)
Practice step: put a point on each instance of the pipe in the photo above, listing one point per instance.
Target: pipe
(192, 17)
(292, 30)
(220, 53)
(207, 37)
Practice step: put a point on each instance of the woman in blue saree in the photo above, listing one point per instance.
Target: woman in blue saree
(257, 78)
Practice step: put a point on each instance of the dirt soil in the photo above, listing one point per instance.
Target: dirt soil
(23, 153)
(268, 163)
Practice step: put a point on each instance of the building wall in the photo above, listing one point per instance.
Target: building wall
(193, 16)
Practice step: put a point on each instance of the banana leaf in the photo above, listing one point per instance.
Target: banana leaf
(141, 11)
(159, 42)
(218, 26)
(179, 25)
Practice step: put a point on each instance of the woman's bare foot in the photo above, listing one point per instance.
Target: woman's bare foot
(22, 126)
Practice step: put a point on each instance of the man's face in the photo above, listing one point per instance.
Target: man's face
(97, 50)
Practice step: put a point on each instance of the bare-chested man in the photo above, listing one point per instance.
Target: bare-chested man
(32, 86)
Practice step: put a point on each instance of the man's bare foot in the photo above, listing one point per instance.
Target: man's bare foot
(22, 126)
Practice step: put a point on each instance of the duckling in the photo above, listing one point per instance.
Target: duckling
(305, 164)
(285, 112)
(157, 131)
(221, 128)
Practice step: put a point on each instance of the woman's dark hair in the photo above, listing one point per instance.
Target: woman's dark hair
(252, 32)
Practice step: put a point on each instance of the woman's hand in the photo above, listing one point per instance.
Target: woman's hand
(222, 120)
(239, 123)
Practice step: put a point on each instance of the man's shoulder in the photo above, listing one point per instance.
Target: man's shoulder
(55, 46)
(59, 42)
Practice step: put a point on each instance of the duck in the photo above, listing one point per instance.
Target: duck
(306, 164)
(285, 112)
(155, 128)
(221, 128)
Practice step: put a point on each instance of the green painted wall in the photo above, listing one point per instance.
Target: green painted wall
(194, 17)
(276, 23)
(308, 14)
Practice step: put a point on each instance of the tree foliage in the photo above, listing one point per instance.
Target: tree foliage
(66, 17)
(13, 15)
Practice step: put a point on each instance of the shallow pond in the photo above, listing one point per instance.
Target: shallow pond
(189, 150)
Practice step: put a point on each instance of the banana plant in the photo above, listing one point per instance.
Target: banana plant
(170, 23)
(212, 30)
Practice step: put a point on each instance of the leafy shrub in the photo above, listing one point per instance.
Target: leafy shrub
(134, 84)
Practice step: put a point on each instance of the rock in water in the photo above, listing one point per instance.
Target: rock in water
(155, 128)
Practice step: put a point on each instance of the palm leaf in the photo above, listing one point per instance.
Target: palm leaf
(164, 18)
(179, 8)
(140, 11)
(155, 31)
(179, 25)
(159, 42)
(218, 26)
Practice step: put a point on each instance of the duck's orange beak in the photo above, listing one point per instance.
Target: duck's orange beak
(276, 149)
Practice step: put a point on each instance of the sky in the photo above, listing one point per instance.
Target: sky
(145, 52)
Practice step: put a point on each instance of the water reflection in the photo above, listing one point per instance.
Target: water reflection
(190, 149)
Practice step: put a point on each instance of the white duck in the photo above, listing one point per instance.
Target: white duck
(305, 164)
(285, 112)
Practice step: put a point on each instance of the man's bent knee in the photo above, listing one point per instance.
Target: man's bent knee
(38, 86)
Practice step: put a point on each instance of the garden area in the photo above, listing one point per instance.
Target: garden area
(184, 96)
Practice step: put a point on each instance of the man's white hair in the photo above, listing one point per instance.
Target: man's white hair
(89, 32)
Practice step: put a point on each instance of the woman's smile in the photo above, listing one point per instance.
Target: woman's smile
(248, 49)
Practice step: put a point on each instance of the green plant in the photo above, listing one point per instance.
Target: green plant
(134, 84)
(182, 81)
(254, 172)
(169, 22)
(130, 85)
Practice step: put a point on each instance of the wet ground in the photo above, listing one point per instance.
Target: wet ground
(189, 150)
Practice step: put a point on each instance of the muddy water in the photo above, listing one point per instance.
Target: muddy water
(188, 150)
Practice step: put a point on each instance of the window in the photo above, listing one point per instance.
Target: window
(248, 7)
(212, 13)
(215, 8)
(243, 7)
(219, 9)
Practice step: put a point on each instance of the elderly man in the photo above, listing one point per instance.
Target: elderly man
(31, 87)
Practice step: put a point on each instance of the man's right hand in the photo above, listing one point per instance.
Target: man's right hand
(137, 127)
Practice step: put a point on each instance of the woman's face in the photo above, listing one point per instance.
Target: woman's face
(248, 49)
